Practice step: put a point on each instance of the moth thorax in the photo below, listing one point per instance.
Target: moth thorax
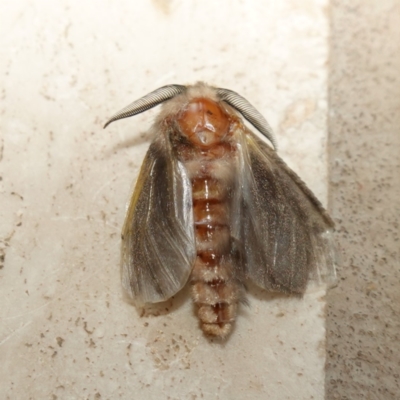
(204, 122)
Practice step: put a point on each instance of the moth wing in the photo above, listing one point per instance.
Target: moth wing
(158, 245)
(286, 233)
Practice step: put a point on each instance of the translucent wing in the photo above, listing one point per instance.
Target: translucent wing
(158, 246)
(286, 233)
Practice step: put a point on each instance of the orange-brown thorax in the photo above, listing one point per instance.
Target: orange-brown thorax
(204, 122)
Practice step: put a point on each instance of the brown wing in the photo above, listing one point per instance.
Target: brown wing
(285, 232)
(158, 246)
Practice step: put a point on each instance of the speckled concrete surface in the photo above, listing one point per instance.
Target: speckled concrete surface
(65, 330)
(363, 326)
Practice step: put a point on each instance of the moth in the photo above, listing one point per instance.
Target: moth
(214, 205)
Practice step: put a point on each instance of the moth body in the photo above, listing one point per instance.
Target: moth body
(204, 142)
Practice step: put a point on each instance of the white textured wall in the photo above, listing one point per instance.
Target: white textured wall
(65, 331)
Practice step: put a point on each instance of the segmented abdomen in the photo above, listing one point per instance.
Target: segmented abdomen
(214, 288)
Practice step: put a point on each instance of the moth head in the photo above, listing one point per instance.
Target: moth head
(204, 107)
